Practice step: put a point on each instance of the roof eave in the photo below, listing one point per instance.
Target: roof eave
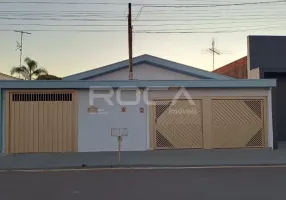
(62, 84)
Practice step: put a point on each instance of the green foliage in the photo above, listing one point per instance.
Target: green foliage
(31, 69)
(48, 77)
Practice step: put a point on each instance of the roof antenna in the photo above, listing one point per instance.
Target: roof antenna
(214, 51)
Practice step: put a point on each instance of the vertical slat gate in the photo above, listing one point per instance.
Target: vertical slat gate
(42, 122)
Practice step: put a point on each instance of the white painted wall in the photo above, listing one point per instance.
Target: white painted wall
(94, 132)
(210, 92)
(145, 72)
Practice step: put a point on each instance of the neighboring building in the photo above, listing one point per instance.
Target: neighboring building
(236, 69)
(267, 59)
(83, 111)
(6, 77)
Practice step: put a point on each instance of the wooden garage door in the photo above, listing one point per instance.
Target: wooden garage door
(41, 122)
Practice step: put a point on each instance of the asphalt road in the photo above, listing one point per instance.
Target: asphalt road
(189, 184)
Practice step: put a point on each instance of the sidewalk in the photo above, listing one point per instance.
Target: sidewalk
(162, 158)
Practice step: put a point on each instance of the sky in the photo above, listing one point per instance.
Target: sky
(64, 50)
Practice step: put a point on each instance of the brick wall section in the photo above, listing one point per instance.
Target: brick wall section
(236, 69)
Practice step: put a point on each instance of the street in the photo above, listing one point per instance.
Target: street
(176, 184)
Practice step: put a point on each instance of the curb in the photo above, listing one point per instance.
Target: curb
(141, 167)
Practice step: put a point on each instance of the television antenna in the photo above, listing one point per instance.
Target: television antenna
(25, 75)
(20, 45)
(214, 51)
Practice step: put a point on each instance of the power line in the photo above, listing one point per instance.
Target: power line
(61, 3)
(207, 23)
(194, 15)
(163, 9)
(239, 23)
(212, 5)
(154, 11)
(207, 28)
(66, 25)
(140, 25)
(147, 5)
(150, 20)
(60, 19)
(219, 1)
(150, 32)
(176, 12)
(217, 17)
(223, 31)
(60, 11)
(62, 16)
(172, 14)
(66, 30)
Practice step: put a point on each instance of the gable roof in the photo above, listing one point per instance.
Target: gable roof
(148, 59)
(5, 76)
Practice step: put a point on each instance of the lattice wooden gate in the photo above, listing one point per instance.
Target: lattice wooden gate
(238, 123)
(41, 121)
(178, 125)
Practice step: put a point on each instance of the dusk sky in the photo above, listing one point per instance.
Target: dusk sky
(67, 52)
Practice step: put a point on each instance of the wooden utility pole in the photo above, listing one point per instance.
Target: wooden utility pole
(20, 46)
(130, 75)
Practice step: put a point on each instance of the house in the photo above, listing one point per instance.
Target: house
(265, 60)
(168, 106)
(6, 77)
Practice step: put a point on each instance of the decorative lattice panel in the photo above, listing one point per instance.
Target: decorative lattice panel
(237, 123)
(178, 125)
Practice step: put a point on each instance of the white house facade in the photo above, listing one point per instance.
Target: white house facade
(167, 106)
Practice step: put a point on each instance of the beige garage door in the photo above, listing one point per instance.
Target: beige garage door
(238, 123)
(178, 125)
(41, 121)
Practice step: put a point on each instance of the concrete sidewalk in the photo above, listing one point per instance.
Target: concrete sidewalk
(163, 158)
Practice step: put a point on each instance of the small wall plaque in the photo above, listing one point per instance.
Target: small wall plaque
(92, 109)
(116, 132)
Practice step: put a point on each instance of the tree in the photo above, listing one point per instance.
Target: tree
(31, 69)
(48, 77)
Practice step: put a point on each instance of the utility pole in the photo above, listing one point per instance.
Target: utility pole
(130, 75)
(214, 52)
(20, 46)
